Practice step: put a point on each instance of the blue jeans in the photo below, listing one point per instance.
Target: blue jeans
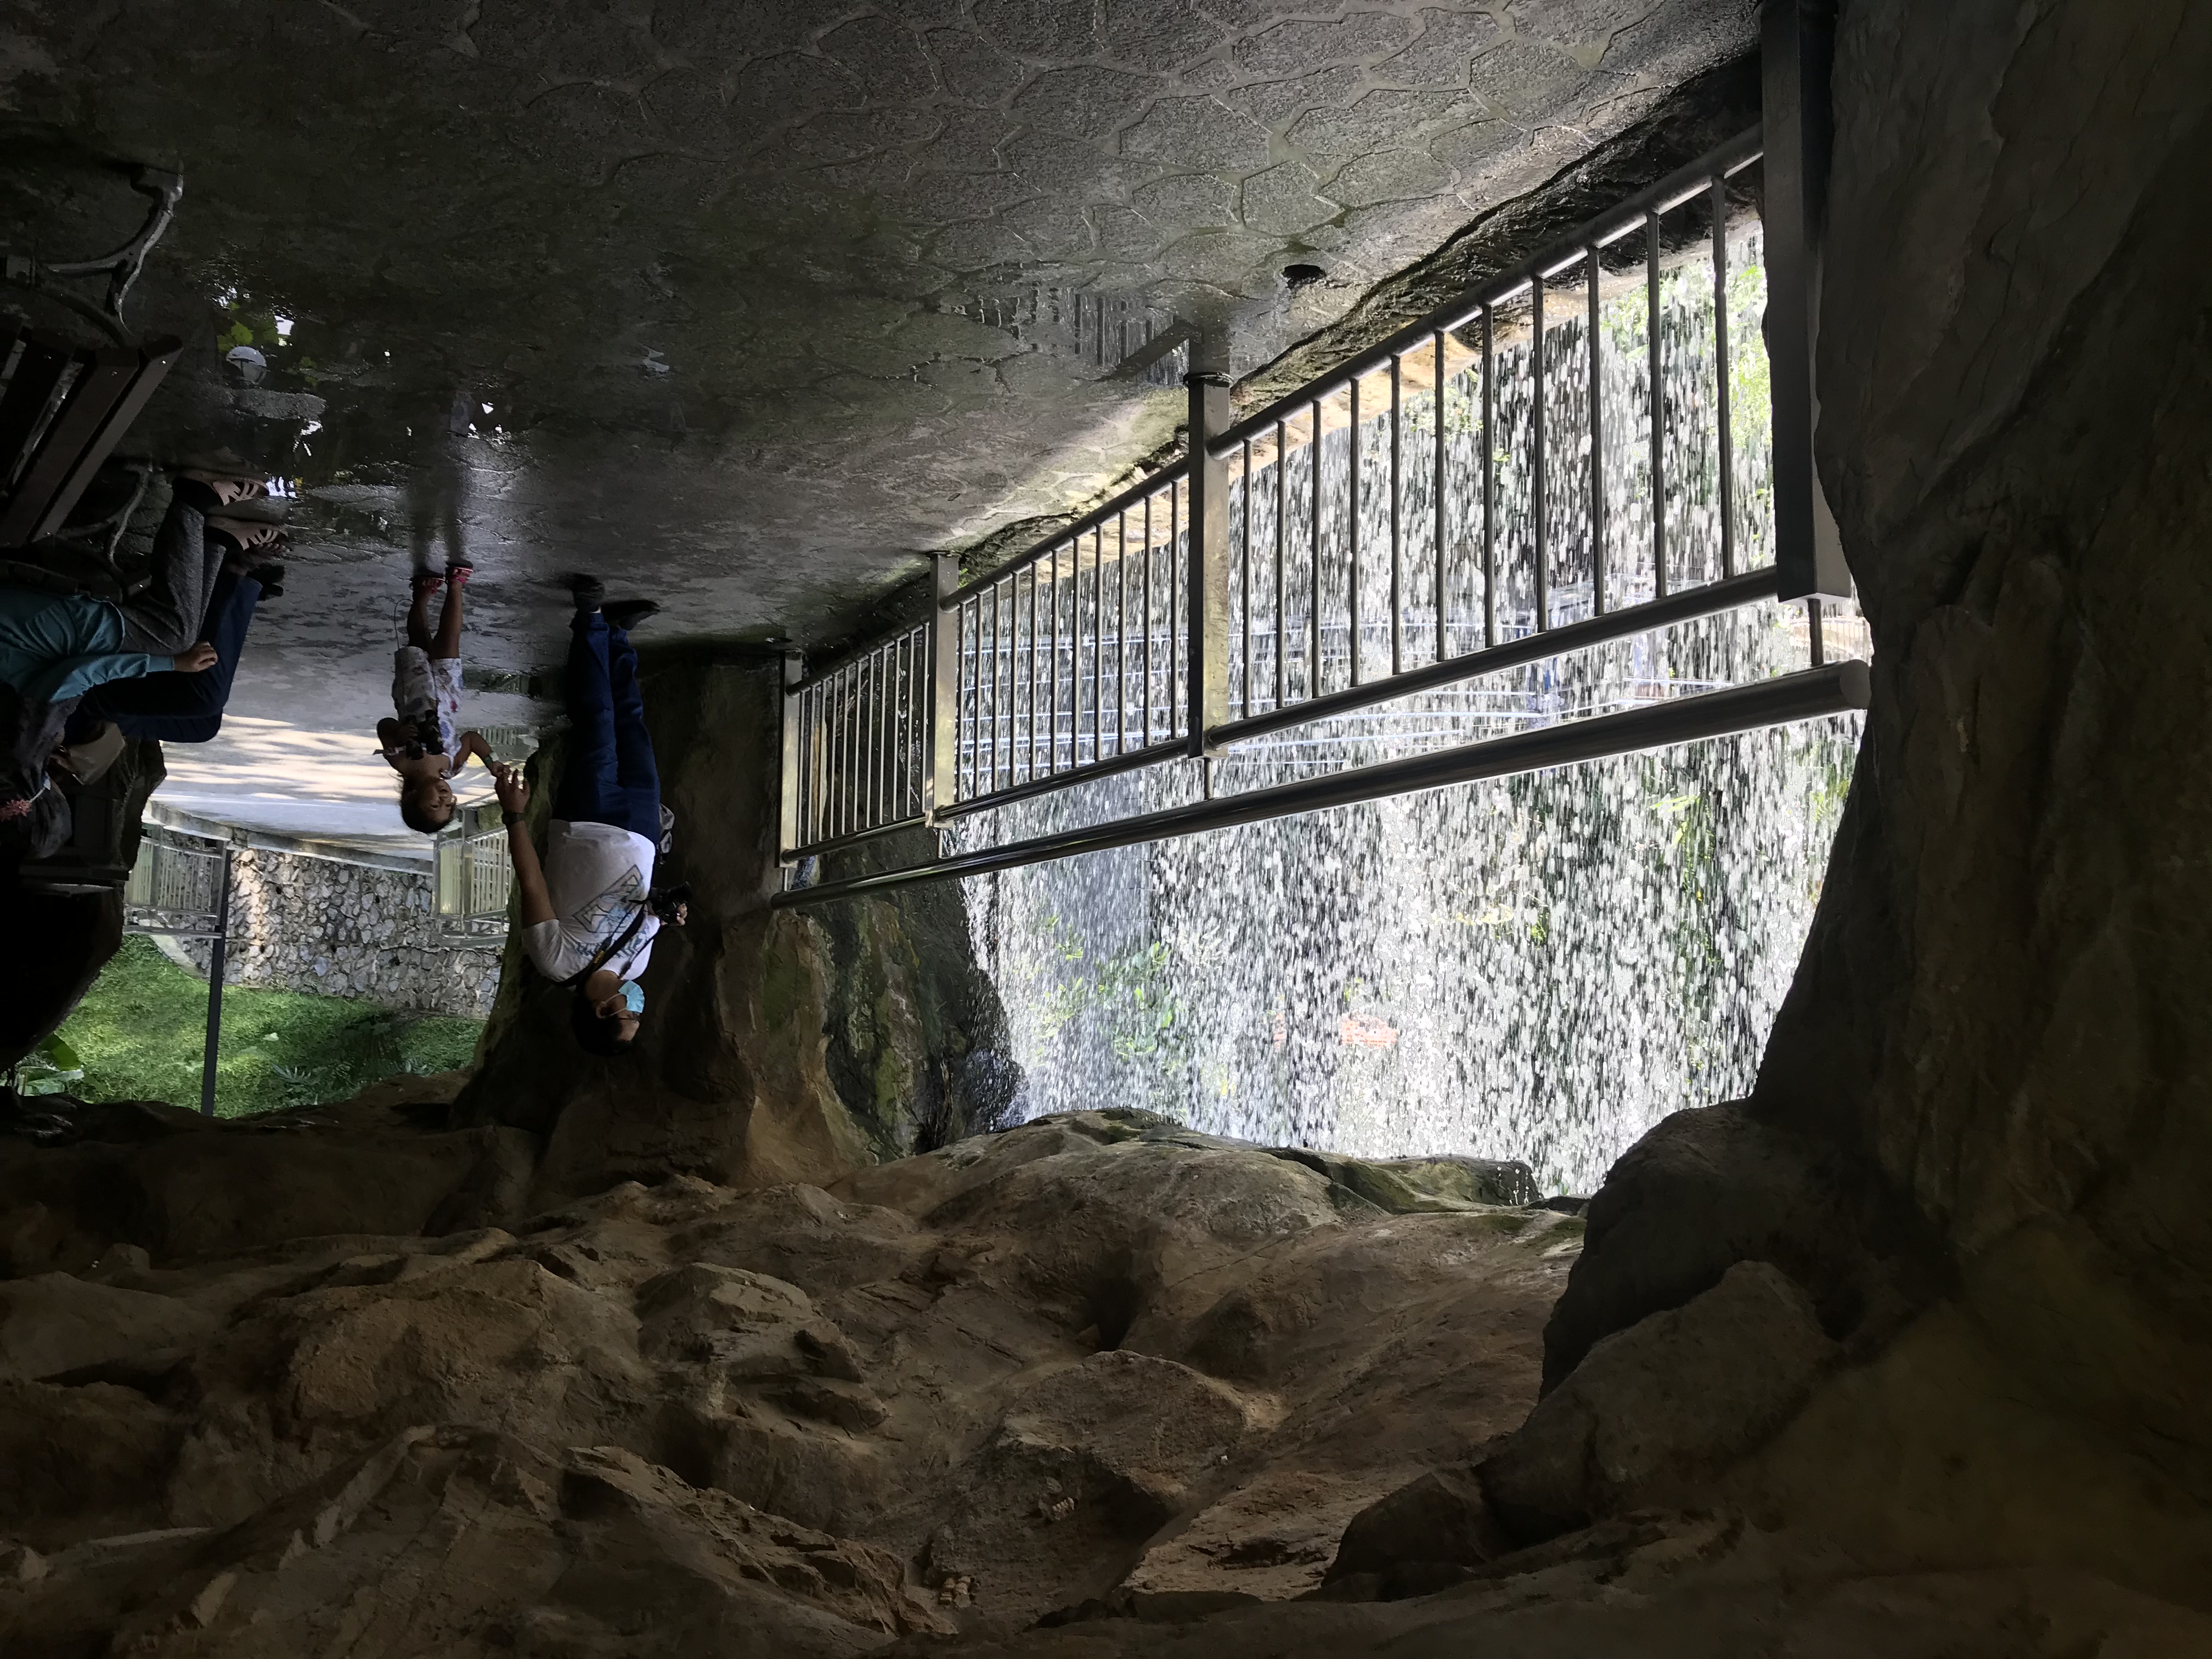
(608, 777)
(173, 707)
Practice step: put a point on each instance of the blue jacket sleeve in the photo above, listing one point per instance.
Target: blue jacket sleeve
(72, 677)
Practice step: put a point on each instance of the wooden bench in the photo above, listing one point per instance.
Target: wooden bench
(63, 409)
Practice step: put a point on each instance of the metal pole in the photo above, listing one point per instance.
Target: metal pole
(1726, 438)
(1540, 507)
(1397, 531)
(1489, 484)
(216, 965)
(1207, 687)
(1352, 521)
(943, 728)
(1313, 618)
(1244, 586)
(1282, 556)
(1796, 44)
(1658, 406)
(1436, 505)
(1597, 444)
(1148, 742)
(787, 820)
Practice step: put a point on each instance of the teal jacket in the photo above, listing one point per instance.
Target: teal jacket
(54, 647)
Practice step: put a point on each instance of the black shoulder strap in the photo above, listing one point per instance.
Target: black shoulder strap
(607, 952)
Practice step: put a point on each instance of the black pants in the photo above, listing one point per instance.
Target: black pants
(173, 707)
(166, 618)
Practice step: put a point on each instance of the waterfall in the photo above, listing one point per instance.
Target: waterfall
(1538, 968)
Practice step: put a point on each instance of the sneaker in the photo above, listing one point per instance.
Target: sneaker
(626, 614)
(271, 578)
(587, 591)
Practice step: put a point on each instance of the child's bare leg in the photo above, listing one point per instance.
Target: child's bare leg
(449, 623)
(418, 618)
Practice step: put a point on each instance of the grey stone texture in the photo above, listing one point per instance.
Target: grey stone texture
(345, 930)
(1654, 1410)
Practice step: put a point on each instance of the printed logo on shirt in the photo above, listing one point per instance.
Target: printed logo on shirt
(614, 901)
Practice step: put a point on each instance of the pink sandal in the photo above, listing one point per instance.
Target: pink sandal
(456, 575)
(426, 582)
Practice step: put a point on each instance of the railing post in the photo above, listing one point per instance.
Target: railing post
(1207, 587)
(943, 734)
(215, 969)
(787, 833)
(1797, 46)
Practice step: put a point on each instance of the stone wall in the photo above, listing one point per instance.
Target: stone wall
(345, 930)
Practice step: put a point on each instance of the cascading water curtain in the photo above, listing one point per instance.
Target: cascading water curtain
(1538, 968)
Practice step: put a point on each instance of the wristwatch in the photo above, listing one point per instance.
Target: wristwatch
(510, 819)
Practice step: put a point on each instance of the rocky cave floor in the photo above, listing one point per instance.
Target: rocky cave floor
(1095, 1385)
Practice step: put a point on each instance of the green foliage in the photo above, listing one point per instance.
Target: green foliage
(141, 1028)
(49, 1069)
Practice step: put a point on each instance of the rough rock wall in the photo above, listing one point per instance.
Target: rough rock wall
(345, 930)
(774, 1048)
(1979, 1138)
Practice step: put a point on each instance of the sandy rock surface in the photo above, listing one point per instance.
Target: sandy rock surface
(1093, 1355)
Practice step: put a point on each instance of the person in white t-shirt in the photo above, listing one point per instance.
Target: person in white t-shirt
(589, 915)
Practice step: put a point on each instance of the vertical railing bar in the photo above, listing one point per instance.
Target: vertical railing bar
(836, 814)
(1814, 637)
(991, 721)
(1437, 502)
(1177, 705)
(1244, 576)
(1489, 483)
(1597, 444)
(1033, 675)
(1352, 521)
(878, 760)
(1075, 654)
(1098, 644)
(1397, 537)
(1282, 554)
(1054, 732)
(841, 820)
(894, 757)
(1657, 354)
(1122, 632)
(1148, 742)
(865, 751)
(1312, 607)
(970, 706)
(1542, 514)
(1721, 378)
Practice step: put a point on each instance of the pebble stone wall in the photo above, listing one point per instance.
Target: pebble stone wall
(345, 930)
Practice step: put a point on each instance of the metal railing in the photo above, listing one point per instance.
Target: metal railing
(473, 879)
(1564, 459)
(174, 888)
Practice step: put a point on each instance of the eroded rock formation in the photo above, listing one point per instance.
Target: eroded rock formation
(963, 1390)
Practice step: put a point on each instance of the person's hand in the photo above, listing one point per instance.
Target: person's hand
(197, 660)
(514, 787)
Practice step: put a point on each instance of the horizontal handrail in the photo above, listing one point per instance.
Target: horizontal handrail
(1601, 231)
(858, 654)
(1090, 521)
(1709, 599)
(1836, 689)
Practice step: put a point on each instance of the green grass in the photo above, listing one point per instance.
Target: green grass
(141, 1029)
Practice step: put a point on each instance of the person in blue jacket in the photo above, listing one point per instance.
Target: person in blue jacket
(57, 648)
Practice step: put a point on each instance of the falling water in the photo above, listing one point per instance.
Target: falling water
(1538, 967)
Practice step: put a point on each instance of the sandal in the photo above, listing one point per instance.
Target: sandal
(228, 487)
(426, 582)
(456, 575)
(271, 578)
(246, 534)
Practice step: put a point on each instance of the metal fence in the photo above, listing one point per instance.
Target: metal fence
(1572, 464)
(473, 879)
(175, 888)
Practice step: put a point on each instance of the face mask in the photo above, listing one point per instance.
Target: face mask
(633, 996)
